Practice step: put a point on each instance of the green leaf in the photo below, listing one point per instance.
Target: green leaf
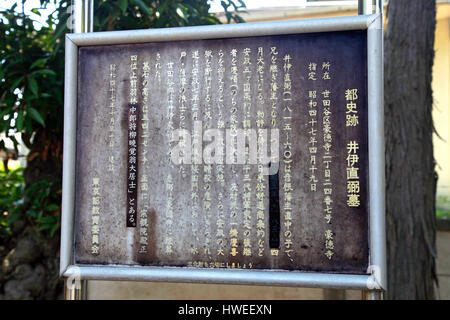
(142, 6)
(182, 12)
(4, 113)
(123, 4)
(16, 83)
(224, 5)
(15, 142)
(19, 121)
(52, 207)
(242, 4)
(35, 115)
(32, 83)
(46, 219)
(44, 71)
(38, 62)
(32, 213)
(59, 30)
(54, 228)
(36, 11)
(45, 227)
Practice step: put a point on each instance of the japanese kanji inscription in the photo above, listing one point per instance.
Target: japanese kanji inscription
(224, 153)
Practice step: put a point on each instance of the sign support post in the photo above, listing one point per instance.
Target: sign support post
(83, 22)
(371, 7)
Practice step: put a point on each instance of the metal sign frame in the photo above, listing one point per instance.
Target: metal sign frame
(375, 279)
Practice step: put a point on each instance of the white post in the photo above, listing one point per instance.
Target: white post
(366, 7)
(84, 15)
(83, 22)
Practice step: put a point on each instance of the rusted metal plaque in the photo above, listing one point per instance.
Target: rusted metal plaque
(225, 153)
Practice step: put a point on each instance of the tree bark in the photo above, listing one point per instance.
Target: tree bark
(29, 258)
(44, 161)
(410, 174)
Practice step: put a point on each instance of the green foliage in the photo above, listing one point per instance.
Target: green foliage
(38, 204)
(42, 201)
(443, 207)
(11, 191)
(31, 74)
(140, 14)
(227, 4)
(32, 59)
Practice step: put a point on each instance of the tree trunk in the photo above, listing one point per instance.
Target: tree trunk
(410, 174)
(29, 258)
(44, 161)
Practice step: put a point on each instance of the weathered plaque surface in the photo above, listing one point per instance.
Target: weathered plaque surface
(141, 104)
